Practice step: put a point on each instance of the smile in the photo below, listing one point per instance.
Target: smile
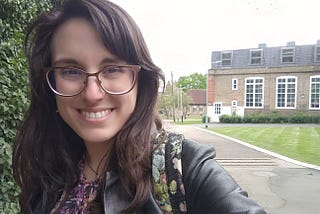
(96, 115)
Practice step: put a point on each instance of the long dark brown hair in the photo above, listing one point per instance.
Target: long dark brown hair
(46, 150)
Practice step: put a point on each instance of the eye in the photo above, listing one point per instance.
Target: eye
(71, 72)
(112, 70)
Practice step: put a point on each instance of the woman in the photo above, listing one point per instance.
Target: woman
(87, 141)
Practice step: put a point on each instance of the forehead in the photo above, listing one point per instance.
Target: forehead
(78, 39)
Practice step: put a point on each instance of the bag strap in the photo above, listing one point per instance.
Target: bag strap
(168, 184)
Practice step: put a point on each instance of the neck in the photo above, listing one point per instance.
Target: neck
(97, 158)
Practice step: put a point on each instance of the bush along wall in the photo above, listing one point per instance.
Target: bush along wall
(14, 17)
(271, 118)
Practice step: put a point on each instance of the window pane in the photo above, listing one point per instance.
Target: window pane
(315, 92)
(254, 92)
(286, 92)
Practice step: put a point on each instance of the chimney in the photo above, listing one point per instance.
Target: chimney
(292, 43)
(262, 45)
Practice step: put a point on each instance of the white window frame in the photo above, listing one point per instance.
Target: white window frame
(234, 84)
(286, 55)
(254, 94)
(226, 61)
(253, 58)
(234, 105)
(314, 93)
(286, 92)
(217, 108)
(317, 53)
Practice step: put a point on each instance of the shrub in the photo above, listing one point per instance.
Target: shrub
(270, 118)
(204, 119)
(14, 16)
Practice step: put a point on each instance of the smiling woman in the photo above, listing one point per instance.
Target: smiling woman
(91, 141)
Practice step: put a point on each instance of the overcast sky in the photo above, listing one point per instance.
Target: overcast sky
(181, 34)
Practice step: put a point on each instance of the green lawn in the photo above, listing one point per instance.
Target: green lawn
(299, 143)
(189, 120)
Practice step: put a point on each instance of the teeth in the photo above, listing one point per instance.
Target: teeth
(95, 115)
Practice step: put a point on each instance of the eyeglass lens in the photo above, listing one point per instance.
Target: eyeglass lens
(71, 81)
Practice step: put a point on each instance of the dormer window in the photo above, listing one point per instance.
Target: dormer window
(287, 55)
(317, 53)
(256, 57)
(226, 59)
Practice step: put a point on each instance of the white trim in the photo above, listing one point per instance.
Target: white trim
(310, 92)
(226, 59)
(286, 93)
(252, 58)
(288, 55)
(234, 82)
(254, 94)
(214, 106)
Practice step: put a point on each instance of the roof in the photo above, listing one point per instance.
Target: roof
(268, 56)
(198, 96)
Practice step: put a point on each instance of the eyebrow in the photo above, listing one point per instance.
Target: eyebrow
(66, 61)
(111, 60)
(71, 61)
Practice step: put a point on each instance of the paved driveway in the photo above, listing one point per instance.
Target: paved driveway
(279, 186)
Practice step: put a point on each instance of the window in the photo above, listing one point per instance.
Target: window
(287, 55)
(201, 109)
(226, 58)
(317, 53)
(217, 108)
(256, 57)
(194, 109)
(286, 92)
(233, 107)
(234, 84)
(314, 92)
(254, 92)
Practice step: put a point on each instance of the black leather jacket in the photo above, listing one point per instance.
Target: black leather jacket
(209, 188)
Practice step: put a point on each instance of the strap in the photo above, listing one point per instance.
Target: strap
(168, 185)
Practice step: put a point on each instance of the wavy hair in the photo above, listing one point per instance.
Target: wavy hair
(46, 150)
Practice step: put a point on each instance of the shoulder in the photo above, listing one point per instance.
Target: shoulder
(208, 186)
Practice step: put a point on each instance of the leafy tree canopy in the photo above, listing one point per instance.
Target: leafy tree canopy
(193, 81)
(14, 18)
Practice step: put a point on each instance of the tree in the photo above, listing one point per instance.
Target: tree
(193, 81)
(175, 103)
(14, 17)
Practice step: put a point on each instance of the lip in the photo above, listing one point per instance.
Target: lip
(95, 114)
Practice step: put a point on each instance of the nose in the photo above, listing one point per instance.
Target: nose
(93, 90)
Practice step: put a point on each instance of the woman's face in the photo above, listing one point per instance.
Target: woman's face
(94, 115)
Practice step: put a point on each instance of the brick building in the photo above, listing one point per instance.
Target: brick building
(283, 79)
(197, 105)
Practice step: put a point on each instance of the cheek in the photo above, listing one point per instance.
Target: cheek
(62, 107)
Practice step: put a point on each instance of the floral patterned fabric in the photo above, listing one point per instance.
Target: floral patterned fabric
(168, 185)
(80, 197)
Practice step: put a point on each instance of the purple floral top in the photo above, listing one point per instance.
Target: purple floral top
(80, 197)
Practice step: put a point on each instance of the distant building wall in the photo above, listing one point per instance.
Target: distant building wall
(272, 85)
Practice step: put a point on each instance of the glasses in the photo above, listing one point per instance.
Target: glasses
(70, 81)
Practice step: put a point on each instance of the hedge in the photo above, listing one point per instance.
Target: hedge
(14, 17)
(270, 118)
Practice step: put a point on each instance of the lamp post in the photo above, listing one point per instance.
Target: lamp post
(207, 87)
(173, 101)
(181, 102)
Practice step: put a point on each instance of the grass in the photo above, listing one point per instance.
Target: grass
(299, 143)
(189, 120)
